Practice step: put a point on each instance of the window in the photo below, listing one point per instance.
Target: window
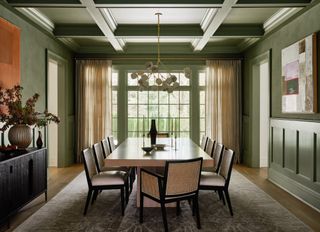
(202, 101)
(158, 105)
(115, 86)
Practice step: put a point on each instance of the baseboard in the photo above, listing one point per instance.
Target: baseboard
(299, 191)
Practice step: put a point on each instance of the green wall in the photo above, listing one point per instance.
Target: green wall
(293, 137)
(33, 45)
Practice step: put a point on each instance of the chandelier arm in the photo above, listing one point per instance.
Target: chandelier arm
(158, 61)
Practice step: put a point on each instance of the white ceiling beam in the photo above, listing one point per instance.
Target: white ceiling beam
(102, 24)
(215, 23)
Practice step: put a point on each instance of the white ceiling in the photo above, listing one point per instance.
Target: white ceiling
(147, 15)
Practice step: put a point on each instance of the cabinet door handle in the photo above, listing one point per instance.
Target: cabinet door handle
(11, 168)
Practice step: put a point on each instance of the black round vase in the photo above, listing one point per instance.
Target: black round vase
(153, 132)
(39, 140)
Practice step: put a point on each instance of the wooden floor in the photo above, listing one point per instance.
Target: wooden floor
(60, 177)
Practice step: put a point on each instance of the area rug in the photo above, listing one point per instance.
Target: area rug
(253, 210)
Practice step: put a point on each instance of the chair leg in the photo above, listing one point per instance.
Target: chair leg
(228, 201)
(87, 202)
(221, 196)
(164, 217)
(196, 203)
(94, 197)
(122, 201)
(127, 191)
(178, 208)
(141, 207)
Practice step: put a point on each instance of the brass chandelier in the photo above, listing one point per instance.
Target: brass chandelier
(152, 79)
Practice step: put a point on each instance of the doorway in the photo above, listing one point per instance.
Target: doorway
(52, 105)
(260, 110)
(264, 113)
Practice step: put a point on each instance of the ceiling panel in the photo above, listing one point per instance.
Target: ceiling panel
(226, 41)
(67, 15)
(147, 15)
(250, 15)
(162, 40)
(91, 41)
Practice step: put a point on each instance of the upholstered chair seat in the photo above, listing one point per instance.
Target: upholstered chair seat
(109, 178)
(211, 179)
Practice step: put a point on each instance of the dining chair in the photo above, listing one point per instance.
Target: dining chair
(220, 181)
(210, 146)
(103, 180)
(203, 143)
(216, 155)
(179, 182)
(100, 159)
(131, 170)
(111, 143)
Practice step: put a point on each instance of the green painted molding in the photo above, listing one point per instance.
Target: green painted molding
(165, 30)
(188, 30)
(296, 189)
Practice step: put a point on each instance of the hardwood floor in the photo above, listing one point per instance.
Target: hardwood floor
(302, 211)
(60, 177)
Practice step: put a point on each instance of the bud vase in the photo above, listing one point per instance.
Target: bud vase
(153, 132)
(39, 140)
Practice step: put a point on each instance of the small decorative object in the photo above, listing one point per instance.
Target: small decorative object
(153, 132)
(39, 140)
(147, 149)
(20, 135)
(160, 147)
(13, 113)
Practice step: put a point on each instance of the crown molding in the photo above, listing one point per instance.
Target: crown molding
(38, 18)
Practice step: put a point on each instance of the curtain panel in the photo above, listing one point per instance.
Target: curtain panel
(94, 102)
(223, 103)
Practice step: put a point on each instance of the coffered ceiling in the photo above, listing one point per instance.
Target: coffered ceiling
(118, 25)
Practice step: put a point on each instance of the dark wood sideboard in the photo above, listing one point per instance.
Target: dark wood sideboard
(23, 177)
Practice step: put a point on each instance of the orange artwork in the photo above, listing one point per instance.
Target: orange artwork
(9, 54)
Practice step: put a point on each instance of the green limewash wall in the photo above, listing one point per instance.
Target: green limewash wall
(33, 45)
(293, 153)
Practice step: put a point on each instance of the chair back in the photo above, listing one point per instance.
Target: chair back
(210, 146)
(105, 147)
(111, 143)
(226, 164)
(98, 156)
(217, 154)
(182, 177)
(203, 143)
(89, 164)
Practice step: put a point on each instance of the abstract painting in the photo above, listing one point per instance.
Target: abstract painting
(299, 76)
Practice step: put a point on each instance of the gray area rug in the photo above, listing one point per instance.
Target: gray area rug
(253, 210)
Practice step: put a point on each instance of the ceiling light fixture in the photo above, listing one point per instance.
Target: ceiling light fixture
(152, 78)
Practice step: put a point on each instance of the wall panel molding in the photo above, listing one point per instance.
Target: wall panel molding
(294, 158)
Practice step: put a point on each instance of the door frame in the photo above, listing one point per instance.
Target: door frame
(255, 106)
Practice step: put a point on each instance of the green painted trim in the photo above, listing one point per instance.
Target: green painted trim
(296, 189)
(275, 2)
(165, 30)
(147, 2)
(246, 30)
(71, 30)
(127, 30)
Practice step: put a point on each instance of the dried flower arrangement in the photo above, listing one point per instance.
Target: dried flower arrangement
(13, 112)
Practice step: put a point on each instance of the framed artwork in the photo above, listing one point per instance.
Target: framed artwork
(299, 76)
(9, 54)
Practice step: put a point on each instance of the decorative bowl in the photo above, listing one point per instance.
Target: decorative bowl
(160, 147)
(147, 149)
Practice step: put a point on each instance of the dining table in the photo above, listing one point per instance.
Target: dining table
(129, 153)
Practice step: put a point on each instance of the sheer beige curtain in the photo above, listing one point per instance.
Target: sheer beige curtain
(223, 103)
(94, 106)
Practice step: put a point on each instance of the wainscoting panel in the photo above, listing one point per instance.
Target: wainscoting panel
(277, 146)
(306, 155)
(295, 158)
(290, 150)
